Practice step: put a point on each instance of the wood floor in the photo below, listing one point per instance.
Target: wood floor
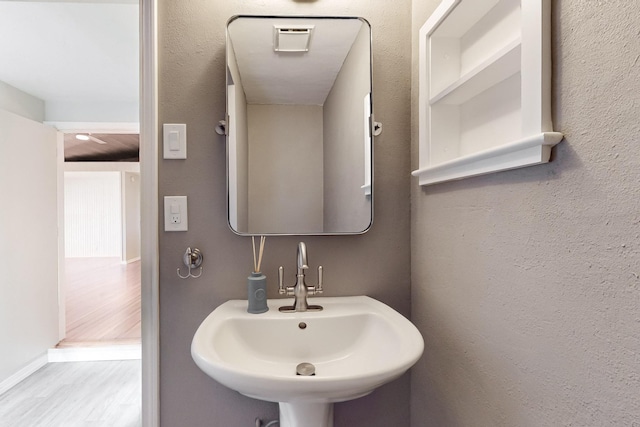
(102, 302)
(77, 394)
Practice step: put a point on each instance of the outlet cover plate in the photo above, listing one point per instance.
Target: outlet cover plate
(175, 213)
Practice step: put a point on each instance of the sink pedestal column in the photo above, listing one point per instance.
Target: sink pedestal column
(306, 414)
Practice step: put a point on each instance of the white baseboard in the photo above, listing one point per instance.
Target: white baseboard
(23, 373)
(129, 261)
(92, 354)
(73, 354)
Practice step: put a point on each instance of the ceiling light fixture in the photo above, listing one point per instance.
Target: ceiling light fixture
(89, 137)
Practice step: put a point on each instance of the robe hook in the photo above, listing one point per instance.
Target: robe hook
(192, 258)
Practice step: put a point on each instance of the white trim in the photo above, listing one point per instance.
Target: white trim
(232, 158)
(423, 83)
(62, 288)
(23, 373)
(102, 166)
(149, 213)
(368, 143)
(95, 127)
(92, 354)
(441, 100)
(129, 261)
(525, 152)
(72, 354)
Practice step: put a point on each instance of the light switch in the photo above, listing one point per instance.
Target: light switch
(174, 141)
(175, 213)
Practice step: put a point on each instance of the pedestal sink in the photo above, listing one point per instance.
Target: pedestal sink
(355, 345)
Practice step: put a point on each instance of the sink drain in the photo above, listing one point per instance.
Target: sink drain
(305, 369)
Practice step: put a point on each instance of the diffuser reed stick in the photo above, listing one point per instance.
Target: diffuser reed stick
(257, 261)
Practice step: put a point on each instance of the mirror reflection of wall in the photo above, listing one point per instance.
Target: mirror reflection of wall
(299, 144)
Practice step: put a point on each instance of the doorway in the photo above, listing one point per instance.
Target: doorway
(148, 129)
(101, 281)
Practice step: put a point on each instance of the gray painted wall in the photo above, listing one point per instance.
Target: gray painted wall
(285, 168)
(192, 91)
(238, 133)
(525, 284)
(346, 208)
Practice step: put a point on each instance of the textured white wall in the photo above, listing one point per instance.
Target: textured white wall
(21, 103)
(526, 283)
(28, 242)
(130, 216)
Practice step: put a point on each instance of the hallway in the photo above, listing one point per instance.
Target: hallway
(99, 394)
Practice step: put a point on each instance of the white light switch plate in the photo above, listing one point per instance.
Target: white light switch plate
(175, 213)
(174, 141)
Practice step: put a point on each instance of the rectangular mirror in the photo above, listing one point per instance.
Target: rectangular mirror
(299, 125)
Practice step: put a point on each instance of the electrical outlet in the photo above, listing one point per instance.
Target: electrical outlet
(175, 213)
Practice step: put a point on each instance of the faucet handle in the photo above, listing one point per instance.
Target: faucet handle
(281, 288)
(319, 289)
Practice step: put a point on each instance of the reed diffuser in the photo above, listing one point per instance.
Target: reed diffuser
(257, 260)
(257, 282)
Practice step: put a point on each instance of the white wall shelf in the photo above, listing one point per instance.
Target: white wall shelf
(485, 76)
(496, 68)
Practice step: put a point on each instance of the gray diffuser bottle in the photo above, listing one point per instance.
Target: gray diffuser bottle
(257, 293)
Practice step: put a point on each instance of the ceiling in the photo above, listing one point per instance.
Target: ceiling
(80, 57)
(104, 147)
(299, 78)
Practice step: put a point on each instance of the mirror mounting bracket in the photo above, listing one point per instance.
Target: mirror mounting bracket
(221, 128)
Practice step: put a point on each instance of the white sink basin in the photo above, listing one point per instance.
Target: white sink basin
(355, 344)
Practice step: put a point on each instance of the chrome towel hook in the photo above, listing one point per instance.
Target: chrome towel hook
(192, 259)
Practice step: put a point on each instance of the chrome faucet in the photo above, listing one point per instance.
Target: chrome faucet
(300, 290)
